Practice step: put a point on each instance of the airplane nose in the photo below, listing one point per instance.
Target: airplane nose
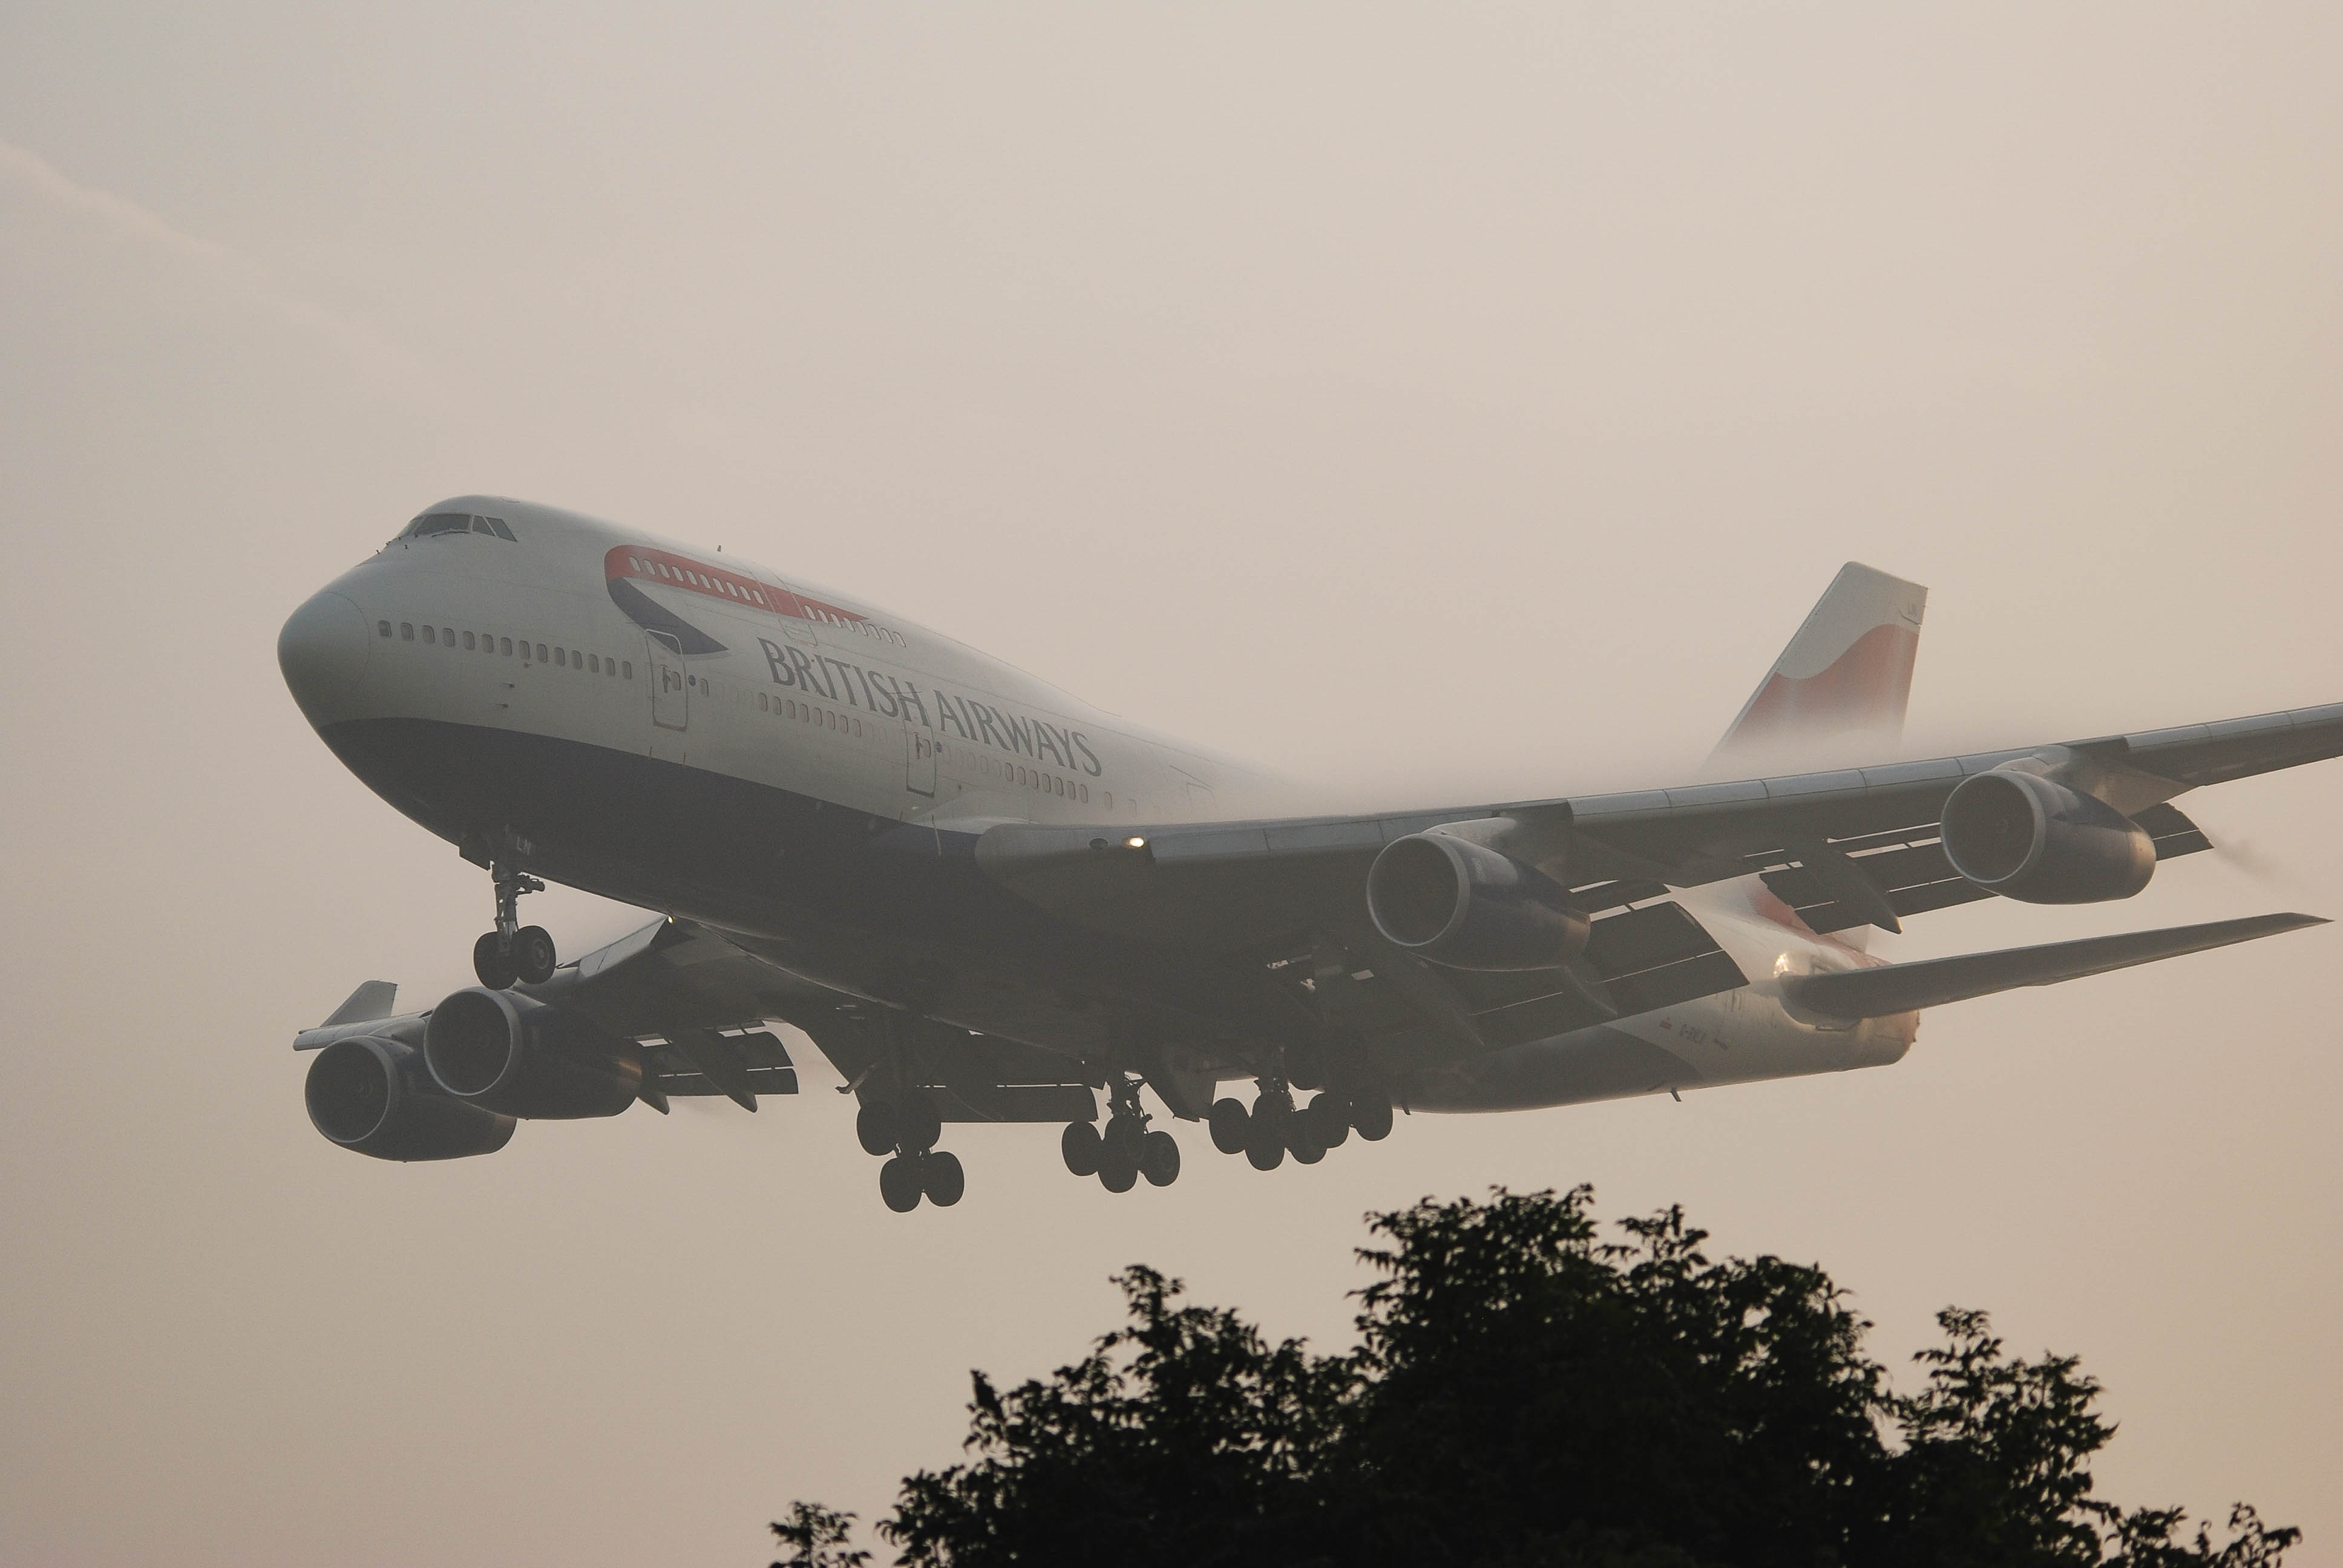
(323, 652)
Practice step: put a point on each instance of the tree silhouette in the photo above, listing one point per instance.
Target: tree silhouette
(1527, 1394)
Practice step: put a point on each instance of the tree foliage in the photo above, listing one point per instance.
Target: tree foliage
(1527, 1394)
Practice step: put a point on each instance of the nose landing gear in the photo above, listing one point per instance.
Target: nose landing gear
(513, 951)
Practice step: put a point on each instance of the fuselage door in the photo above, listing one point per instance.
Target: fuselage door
(918, 760)
(670, 689)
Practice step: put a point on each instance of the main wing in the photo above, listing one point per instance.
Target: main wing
(696, 1004)
(1843, 846)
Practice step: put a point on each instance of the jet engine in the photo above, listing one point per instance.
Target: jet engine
(2027, 838)
(375, 1096)
(1470, 907)
(517, 1057)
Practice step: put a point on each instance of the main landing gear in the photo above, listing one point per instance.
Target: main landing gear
(1274, 1127)
(513, 951)
(1126, 1151)
(905, 1132)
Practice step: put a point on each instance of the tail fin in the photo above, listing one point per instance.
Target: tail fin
(1838, 692)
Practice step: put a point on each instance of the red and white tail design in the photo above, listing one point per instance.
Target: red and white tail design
(1838, 693)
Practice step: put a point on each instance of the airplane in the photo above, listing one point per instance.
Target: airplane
(982, 899)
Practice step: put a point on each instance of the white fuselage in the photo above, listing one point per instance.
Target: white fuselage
(577, 631)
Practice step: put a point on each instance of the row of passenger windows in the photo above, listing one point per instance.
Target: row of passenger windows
(698, 580)
(1035, 778)
(755, 596)
(805, 713)
(487, 642)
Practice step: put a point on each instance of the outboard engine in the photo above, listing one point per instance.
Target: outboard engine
(509, 1055)
(1469, 907)
(2027, 838)
(375, 1096)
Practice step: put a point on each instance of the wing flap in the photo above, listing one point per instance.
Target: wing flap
(1933, 983)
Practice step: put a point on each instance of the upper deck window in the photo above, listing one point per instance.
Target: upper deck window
(457, 523)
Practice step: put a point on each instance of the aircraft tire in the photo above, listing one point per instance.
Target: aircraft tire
(1371, 1113)
(1158, 1158)
(941, 1179)
(493, 964)
(1328, 1116)
(1115, 1174)
(1265, 1156)
(1228, 1120)
(1122, 1139)
(1306, 1151)
(874, 1128)
(898, 1184)
(533, 955)
(1081, 1147)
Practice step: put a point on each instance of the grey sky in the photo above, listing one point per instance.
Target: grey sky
(1433, 402)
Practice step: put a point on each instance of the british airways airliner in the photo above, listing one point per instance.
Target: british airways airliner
(983, 900)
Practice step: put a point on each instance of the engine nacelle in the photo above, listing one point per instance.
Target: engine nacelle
(2026, 837)
(1469, 907)
(375, 1096)
(516, 1057)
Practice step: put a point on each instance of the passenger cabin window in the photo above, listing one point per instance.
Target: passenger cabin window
(542, 658)
(406, 631)
(383, 627)
(427, 635)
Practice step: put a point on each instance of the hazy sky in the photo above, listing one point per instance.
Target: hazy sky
(1438, 402)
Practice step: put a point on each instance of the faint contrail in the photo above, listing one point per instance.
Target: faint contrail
(30, 173)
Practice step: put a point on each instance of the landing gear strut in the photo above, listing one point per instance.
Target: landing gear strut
(513, 951)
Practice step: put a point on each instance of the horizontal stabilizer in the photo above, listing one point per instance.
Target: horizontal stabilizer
(372, 1000)
(1931, 983)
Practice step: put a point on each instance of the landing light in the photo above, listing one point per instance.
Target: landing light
(1135, 843)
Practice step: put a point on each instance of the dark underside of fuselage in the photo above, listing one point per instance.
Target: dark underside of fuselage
(875, 908)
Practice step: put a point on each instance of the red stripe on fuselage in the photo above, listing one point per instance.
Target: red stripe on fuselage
(671, 571)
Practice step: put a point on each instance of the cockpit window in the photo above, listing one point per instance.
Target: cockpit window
(456, 523)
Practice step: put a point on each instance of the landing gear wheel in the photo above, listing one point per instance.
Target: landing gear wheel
(1116, 1174)
(1329, 1117)
(1158, 1158)
(1371, 1113)
(1081, 1147)
(1121, 1140)
(941, 1179)
(1266, 1153)
(898, 1184)
(1228, 1120)
(492, 963)
(532, 954)
(874, 1128)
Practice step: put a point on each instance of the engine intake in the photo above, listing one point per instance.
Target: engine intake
(516, 1057)
(2027, 838)
(376, 1097)
(1470, 907)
